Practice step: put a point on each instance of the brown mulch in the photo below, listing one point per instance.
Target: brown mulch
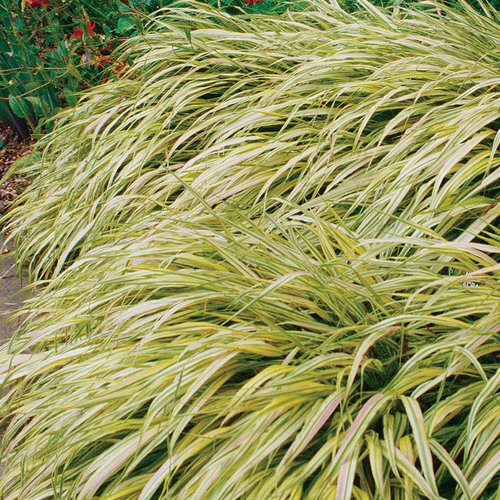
(13, 147)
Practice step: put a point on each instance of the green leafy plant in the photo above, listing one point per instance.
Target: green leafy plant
(50, 50)
(254, 248)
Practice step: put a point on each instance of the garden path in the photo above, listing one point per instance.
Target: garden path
(11, 298)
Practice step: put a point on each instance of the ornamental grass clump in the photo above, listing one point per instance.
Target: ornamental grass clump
(270, 259)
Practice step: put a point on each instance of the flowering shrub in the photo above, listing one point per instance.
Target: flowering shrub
(50, 50)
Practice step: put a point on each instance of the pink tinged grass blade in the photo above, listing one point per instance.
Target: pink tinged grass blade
(454, 367)
(361, 352)
(473, 360)
(490, 388)
(483, 477)
(304, 438)
(449, 162)
(203, 379)
(484, 437)
(452, 467)
(419, 433)
(110, 462)
(347, 473)
(409, 470)
(355, 433)
(376, 458)
(169, 466)
(388, 442)
(494, 147)
(405, 446)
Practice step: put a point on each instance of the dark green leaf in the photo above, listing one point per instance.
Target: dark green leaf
(125, 24)
(19, 106)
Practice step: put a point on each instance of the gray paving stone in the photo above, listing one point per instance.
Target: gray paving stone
(11, 294)
(11, 298)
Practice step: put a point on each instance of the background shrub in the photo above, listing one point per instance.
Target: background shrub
(50, 50)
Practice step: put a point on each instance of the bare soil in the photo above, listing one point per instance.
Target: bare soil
(12, 147)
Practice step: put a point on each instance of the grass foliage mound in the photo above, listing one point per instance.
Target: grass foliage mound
(271, 264)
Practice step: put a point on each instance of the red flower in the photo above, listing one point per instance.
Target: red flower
(251, 2)
(90, 28)
(108, 47)
(37, 4)
(101, 61)
(126, 2)
(120, 68)
(78, 33)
